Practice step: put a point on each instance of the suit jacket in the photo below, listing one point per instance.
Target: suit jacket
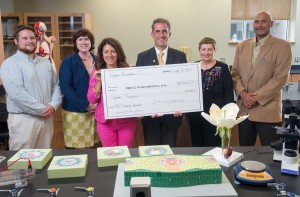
(266, 77)
(74, 82)
(148, 58)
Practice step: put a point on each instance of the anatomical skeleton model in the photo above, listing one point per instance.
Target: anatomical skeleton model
(44, 43)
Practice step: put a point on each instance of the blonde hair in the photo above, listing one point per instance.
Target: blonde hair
(208, 40)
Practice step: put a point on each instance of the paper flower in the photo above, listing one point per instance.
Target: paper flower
(224, 119)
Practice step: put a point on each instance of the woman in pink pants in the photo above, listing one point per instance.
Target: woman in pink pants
(112, 132)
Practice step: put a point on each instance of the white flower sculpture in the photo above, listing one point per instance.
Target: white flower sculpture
(224, 119)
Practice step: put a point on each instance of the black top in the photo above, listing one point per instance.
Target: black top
(217, 86)
(103, 179)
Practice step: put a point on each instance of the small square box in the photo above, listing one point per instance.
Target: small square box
(38, 158)
(68, 166)
(158, 150)
(112, 156)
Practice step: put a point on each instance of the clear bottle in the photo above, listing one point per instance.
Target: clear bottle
(234, 38)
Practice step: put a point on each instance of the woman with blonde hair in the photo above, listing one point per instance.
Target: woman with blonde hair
(217, 87)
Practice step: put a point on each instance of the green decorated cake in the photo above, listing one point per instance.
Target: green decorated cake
(174, 170)
(38, 158)
(68, 166)
(112, 156)
(157, 150)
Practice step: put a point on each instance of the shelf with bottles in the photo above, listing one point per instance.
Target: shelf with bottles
(9, 23)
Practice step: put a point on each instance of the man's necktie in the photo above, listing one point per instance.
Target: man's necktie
(160, 58)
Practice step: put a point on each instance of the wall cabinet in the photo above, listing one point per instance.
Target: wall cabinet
(247, 9)
(66, 25)
(60, 25)
(9, 21)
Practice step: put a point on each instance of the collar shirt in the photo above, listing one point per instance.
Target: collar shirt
(165, 51)
(257, 45)
(30, 84)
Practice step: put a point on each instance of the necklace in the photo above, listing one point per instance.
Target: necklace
(208, 66)
(90, 67)
(85, 59)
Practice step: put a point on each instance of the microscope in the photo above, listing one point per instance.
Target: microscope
(287, 148)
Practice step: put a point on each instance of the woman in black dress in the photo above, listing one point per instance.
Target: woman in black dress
(217, 88)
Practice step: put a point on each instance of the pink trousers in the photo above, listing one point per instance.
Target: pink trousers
(117, 132)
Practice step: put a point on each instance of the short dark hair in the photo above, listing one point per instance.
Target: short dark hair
(83, 32)
(207, 40)
(21, 28)
(121, 58)
(161, 20)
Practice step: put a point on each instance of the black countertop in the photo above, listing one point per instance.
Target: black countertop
(295, 69)
(103, 179)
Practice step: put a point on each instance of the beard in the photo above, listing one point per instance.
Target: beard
(27, 51)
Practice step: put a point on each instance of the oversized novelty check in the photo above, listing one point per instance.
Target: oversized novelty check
(149, 90)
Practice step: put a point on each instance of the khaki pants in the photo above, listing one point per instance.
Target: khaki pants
(28, 131)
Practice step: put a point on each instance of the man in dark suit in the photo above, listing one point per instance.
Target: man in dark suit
(161, 129)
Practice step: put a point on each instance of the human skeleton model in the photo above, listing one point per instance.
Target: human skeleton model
(44, 43)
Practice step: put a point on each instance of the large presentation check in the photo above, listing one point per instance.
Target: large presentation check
(149, 90)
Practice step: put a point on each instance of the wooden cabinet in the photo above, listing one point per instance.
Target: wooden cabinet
(48, 19)
(66, 25)
(247, 9)
(294, 78)
(60, 25)
(9, 22)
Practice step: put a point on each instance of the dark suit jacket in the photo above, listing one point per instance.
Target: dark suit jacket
(149, 58)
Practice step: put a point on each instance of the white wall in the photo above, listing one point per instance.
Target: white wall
(7, 5)
(129, 21)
